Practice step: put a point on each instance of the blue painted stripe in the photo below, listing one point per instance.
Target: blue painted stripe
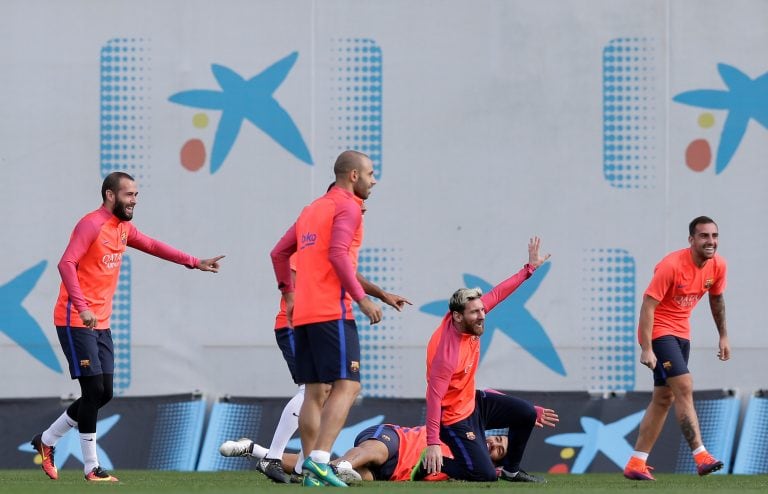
(72, 353)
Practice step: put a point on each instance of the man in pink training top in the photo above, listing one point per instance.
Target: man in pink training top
(679, 281)
(89, 270)
(319, 308)
(457, 413)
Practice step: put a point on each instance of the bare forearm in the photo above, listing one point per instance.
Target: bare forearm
(717, 306)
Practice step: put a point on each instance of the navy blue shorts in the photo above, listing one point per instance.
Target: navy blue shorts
(327, 351)
(671, 358)
(89, 352)
(386, 435)
(284, 337)
(466, 438)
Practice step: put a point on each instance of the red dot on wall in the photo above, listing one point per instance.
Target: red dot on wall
(698, 155)
(193, 155)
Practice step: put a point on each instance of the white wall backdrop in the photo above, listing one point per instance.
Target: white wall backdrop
(488, 121)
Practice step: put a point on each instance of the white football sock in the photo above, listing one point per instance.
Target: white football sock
(88, 446)
(640, 455)
(320, 456)
(58, 428)
(258, 451)
(299, 463)
(289, 423)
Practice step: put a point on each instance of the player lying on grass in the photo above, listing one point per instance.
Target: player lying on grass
(386, 451)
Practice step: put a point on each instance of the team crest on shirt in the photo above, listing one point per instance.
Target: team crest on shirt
(471, 436)
(667, 365)
(354, 366)
(85, 363)
(124, 238)
(708, 283)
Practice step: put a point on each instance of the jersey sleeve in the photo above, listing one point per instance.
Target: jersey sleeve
(720, 278)
(506, 287)
(82, 237)
(439, 373)
(283, 259)
(147, 244)
(663, 279)
(345, 222)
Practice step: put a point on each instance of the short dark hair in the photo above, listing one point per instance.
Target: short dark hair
(347, 161)
(700, 220)
(112, 182)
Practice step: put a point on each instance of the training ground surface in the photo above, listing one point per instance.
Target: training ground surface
(145, 482)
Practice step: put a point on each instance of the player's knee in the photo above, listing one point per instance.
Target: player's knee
(664, 400)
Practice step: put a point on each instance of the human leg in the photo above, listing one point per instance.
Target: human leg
(336, 358)
(373, 457)
(466, 440)
(685, 413)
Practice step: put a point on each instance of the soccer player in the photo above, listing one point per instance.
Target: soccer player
(385, 451)
(89, 272)
(679, 281)
(326, 340)
(271, 464)
(457, 414)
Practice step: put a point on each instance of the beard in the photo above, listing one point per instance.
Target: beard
(120, 211)
(474, 329)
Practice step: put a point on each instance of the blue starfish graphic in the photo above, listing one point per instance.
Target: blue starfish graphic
(69, 445)
(745, 99)
(346, 438)
(513, 319)
(598, 437)
(250, 100)
(18, 324)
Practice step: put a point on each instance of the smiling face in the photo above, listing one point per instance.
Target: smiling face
(497, 447)
(124, 200)
(472, 319)
(703, 242)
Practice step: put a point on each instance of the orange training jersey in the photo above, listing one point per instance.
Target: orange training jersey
(90, 266)
(452, 359)
(678, 284)
(326, 252)
(413, 440)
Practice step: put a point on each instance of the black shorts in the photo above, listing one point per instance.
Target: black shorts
(89, 352)
(671, 358)
(386, 435)
(285, 341)
(327, 352)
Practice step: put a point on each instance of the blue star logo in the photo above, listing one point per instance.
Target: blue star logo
(511, 318)
(69, 445)
(251, 100)
(608, 439)
(18, 324)
(745, 99)
(346, 438)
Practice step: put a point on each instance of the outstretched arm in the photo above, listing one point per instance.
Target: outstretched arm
(211, 264)
(395, 301)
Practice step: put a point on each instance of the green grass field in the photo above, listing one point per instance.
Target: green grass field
(146, 482)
